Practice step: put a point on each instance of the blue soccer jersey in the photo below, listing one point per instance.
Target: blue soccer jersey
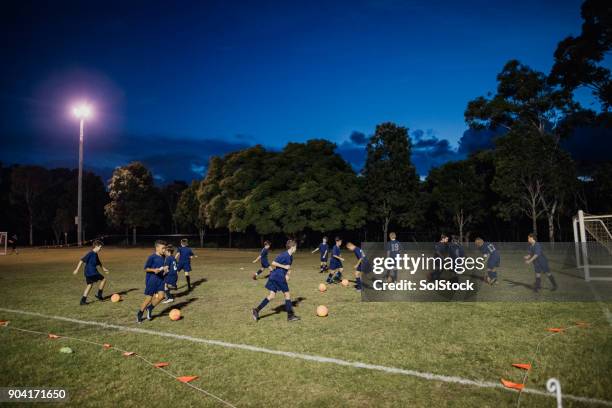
(184, 260)
(154, 261)
(440, 249)
(264, 257)
(359, 254)
(324, 250)
(455, 250)
(91, 261)
(393, 247)
(279, 274)
(540, 264)
(334, 262)
(172, 275)
(494, 259)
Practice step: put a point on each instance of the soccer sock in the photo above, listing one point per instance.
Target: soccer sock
(262, 304)
(288, 306)
(358, 282)
(188, 281)
(552, 280)
(329, 277)
(168, 296)
(83, 299)
(99, 292)
(538, 283)
(150, 307)
(259, 271)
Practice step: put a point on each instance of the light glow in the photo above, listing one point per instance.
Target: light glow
(82, 111)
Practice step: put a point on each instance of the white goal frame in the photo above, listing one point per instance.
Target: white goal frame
(581, 239)
(3, 243)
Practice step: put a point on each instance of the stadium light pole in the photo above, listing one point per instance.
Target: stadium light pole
(82, 112)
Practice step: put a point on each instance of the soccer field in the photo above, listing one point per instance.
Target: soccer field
(363, 354)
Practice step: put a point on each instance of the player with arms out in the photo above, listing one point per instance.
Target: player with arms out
(493, 259)
(323, 249)
(154, 281)
(183, 259)
(91, 260)
(263, 257)
(277, 282)
(539, 261)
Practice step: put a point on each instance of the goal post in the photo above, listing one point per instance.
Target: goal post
(3, 243)
(593, 245)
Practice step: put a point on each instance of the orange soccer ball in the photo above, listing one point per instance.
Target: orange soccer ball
(175, 314)
(345, 282)
(322, 311)
(115, 298)
(322, 287)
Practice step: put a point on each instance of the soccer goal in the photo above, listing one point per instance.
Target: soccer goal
(593, 239)
(3, 242)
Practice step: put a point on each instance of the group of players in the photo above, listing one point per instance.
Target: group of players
(162, 268)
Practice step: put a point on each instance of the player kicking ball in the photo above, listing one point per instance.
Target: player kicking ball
(323, 249)
(263, 257)
(277, 282)
(539, 261)
(91, 260)
(154, 281)
(335, 263)
(493, 259)
(359, 266)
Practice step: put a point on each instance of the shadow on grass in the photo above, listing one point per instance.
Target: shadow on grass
(123, 292)
(281, 308)
(517, 283)
(179, 305)
(194, 285)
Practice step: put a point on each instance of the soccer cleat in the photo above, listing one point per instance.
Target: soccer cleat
(293, 318)
(255, 313)
(149, 313)
(83, 302)
(168, 300)
(139, 317)
(99, 297)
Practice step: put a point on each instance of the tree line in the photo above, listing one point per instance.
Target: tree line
(526, 183)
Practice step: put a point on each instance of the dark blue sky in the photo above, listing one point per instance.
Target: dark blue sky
(173, 83)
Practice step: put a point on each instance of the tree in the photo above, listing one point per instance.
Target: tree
(524, 98)
(457, 193)
(28, 183)
(187, 213)
(171, 193)
(391, 182)
(579, 60)
(134, 199)
(533, 176)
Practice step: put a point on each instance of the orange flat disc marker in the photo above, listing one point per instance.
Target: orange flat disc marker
(106, 346)
(160, 365)
(510, 384)
(128, 353)
(53, 336)
(522, 366)
(555, 329)
(187, 378)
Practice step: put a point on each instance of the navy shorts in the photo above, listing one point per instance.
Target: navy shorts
(184, 267)
(493, 261)
(154, 284)
(335, 264)
(93, 278)
(171, 279)
(265, 263)
(541, 267)
(362, 266)
(323, 259)
(277, 286)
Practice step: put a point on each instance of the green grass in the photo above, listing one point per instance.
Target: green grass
(477, 341)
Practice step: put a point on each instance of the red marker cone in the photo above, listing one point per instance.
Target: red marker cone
(4, 322)
(510, 384)
(555, 329)
(187, 378)
(106, 346)
(522, 366)
(160, 365)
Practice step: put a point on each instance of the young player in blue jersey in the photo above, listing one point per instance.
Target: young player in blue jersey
(440, 252)
(539, 261)
(263, 258)
(393, 249)
(493, 259)
(171, 278)
(277, 282)
(91, 260)
(323, 249)
(335, 263)
(183, 259)
(154, 281)
(361, 263)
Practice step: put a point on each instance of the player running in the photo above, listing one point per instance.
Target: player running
(540, 263)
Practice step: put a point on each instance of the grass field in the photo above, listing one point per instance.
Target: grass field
(473, 341)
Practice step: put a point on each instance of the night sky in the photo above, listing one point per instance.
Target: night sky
(172, 83)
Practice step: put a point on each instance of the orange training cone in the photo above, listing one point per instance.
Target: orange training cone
(53, 336)
(106, 346)
(522, 366)
(510, 384)
(555, 329)
(187, 378)
(160, 365)
(4, 322)
(128, 353)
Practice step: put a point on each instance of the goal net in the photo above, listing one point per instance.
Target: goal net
(3, 242)
(593, 237)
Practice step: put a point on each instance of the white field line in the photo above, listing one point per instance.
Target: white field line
(315, 358)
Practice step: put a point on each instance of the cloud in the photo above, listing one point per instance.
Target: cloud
(359, 138)
(475, 140)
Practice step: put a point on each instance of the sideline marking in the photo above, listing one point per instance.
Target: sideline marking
(318, 359)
